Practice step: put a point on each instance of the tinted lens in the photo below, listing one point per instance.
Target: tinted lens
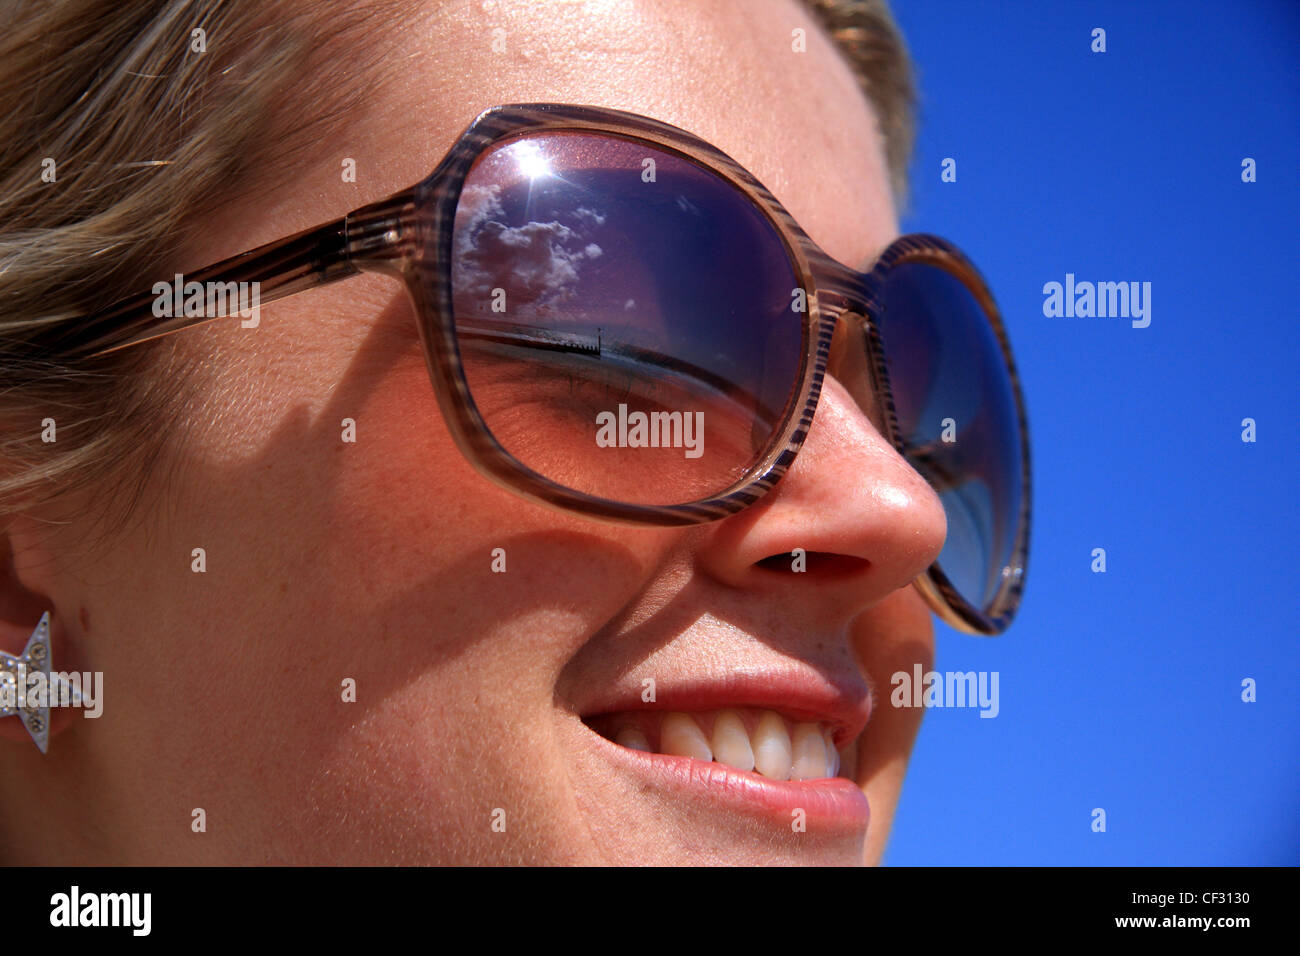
(624, 316)
(958, 420)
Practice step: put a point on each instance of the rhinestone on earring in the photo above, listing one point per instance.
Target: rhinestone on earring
(16, 682)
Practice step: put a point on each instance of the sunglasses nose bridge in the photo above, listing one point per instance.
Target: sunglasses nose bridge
(851, 362)
(843, 303)
(842, 293)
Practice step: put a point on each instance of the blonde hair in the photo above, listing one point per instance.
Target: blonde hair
(139, 132)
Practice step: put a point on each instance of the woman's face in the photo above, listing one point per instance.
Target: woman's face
(328, 562)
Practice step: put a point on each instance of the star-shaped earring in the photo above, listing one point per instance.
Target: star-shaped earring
(15, 673)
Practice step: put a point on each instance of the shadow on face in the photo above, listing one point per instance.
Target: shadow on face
(388, 658)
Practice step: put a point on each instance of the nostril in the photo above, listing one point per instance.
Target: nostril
(821, 563)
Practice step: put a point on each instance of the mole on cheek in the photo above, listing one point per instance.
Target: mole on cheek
(84, 617)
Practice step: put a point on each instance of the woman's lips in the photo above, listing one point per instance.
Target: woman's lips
(841, 702)
(822, 805)
(763, 744)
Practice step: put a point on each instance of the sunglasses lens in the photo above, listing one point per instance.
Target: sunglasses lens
(624, 317)
(958, 420)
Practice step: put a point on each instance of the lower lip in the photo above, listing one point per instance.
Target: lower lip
(831, 804)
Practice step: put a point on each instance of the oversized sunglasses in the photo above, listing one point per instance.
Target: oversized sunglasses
(619, 320)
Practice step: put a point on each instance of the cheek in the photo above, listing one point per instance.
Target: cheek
(476, 599)
(447, 605)
(897, 635)
(410, 526)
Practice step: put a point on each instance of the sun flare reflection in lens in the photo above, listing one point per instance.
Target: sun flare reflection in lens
(531, 161)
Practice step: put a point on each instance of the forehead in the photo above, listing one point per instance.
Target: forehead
(734, 72)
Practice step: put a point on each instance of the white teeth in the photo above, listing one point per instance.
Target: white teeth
(680, 736)
(632, 739)
(768, 750)
(809, 753)
(832, 756)
(731, 742)
(772, 747)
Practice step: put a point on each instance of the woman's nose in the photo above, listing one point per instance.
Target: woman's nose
(851, 516)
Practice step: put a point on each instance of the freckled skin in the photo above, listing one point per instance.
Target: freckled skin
(372, 561)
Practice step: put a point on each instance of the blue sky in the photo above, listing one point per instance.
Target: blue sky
(1123, 690)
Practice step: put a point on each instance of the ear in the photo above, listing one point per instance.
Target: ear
(31, 631)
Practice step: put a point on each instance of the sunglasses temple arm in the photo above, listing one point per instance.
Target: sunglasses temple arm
(376, 236)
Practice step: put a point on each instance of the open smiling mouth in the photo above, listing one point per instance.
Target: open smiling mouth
(752, 740)
(778, 765)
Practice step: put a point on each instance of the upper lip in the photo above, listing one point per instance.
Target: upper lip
(839, 699)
